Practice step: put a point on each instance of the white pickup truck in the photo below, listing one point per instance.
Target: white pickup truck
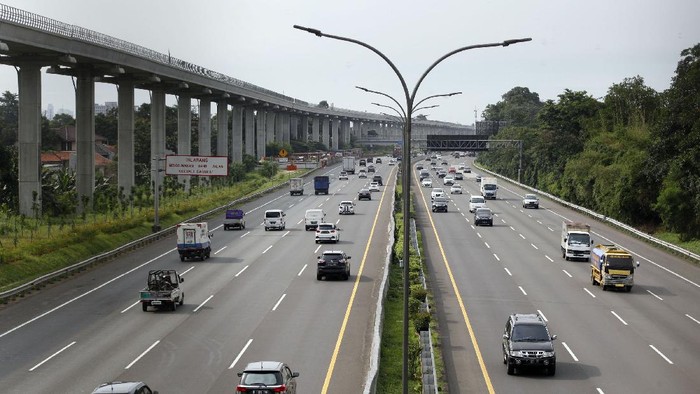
(163, 290)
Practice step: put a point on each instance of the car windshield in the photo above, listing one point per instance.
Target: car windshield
(265, 378)
(490, 187)
(483, 212)
(620, 262)
(476, 200)
(332, 256)
(530, 197)
(326, 226)
(530, 333)
(579, 239)
(274, 214)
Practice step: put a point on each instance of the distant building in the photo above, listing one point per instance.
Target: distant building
(103, 109)
(63, 155)
(49, 112)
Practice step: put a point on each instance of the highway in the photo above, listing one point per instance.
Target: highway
(256, 298)
(646, 341)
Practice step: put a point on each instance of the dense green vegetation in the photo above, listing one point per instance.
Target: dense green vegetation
(633, 156)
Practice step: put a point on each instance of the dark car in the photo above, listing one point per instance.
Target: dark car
(483, 216)
(439, 204)
(527, 344)
(370, 168)
(378, 160)
(419, 167)
(267, 377)
(378, 179)
(124, 388)
(364, 194)
(333, 262)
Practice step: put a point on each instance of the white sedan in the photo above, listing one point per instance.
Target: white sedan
(456, 189)
(374, 186)
(427, 182)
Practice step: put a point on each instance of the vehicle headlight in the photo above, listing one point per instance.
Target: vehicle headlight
(517, 353)
(607, 276)
(548, 354)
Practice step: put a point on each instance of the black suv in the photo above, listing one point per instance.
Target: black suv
(483, 216)
(439, 204)
(333, 262)
(378, 179)
(267, 377)
(527, 344)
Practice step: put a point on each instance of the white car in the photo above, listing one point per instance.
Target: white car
(437, 192)
(531, 201)
(427, 182)
(327, 232)
(456, 189)
(374, 186)
(346, 208)
(448, 180)
(476, 202)
(343, 176)
(362, 174)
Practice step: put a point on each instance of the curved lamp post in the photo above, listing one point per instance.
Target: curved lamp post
(406, 160)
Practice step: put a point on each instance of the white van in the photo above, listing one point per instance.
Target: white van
(312, 218)
(274, 219)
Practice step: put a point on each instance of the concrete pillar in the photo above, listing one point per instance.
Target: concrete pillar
(326, 133)
(184, 133)
(335, 131)
(315, 125)
(345, 131)
(269, 127)
(249, 131)
(125, 137)
(222, 129)
(157, 136)
(279, 127)
(85, 137)
(237, 134)
(304, 129)
(204, 127)
(293, 127)
(29, 138)
(286, 131)
(260, 134)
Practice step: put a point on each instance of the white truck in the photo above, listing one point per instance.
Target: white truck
(489, 188)
(575, 240)
(296, 186)
(349, 164)
(193, 241)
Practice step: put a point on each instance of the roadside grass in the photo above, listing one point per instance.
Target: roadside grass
(693, 245)
(34, 249)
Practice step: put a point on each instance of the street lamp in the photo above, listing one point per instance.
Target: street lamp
(406, 173)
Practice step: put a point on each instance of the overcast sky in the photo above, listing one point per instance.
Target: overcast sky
(576, 44)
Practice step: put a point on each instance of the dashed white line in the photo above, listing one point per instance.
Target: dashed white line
(661, 354)
(241, 271)
(566, 272)
(599, 390)
(274, 308)
(507, 271)
(543, 316)
(220, 249)
(487, 245)
(285, 234)
(299, 222)
(569, 350)
(478, 235)
(692, 318)
(337, 221)
(187, 270)
(504, 222)
(521, 236)
(533, 245)
(268, 248)
(463, 214)
(51, 356)
(496, 256)
(589, 293)
(523, 290)
(142, 354)
(661, 299)
(549, 258)
(539, 222)
(238, 357)
(512, 228)
(131, 306)
(618, 317)
(302, 269)
(317, 248)
(550, 229)
(202, 304)
(245, 234)
(291, 205)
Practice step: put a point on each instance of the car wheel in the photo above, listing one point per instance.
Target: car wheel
(511, 369)
(319, 276)
(144, 306)
(182, 299)
(628, 288)
(182, 258)
(552, 369)
(173, 306)
(346, 276)
(593, 282)
(605, 287)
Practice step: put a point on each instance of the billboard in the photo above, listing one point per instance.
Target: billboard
(196, 165)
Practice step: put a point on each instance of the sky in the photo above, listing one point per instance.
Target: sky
(581, 45)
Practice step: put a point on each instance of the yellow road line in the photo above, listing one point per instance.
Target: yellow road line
(484, 372)
(341, 334)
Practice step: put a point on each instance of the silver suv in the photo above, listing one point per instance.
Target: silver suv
(124, 388)
(527, 344)
(267, 377)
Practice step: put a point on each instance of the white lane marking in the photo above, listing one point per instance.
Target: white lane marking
(533, 245)
(512, 228)
(220, 249)
(660, 299)
(317, 248)
(569, 350)
(487, 245)
(504, 222)
(302, 198)
(302, 269)
(471, 225)
(241, 271)
(589, 293)
(523, 290)
(550, 229)
(131, 306)
(337, 221)
(268, 248)
(285, 234)
(618, 317)
(507, 271)
(661, 354)
(241, 353)
(463, 214)
(599, 390)
(496, 256)
(328, 198)
(478, 235)
(245, 234)
(566, 272)
(299, 222)
(202, 304)
(543, 316)
(692, 318)
(142, 354)
(521, 236)
(319, 205)
(291, 205)
(549, 258)
(86, 293)
(187, 270)
(51, 356)
(274, 308)
(539, 222)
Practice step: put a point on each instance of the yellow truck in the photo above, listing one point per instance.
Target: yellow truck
(612, 267)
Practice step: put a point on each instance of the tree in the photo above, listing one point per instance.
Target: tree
(518, 107)
(106, 125)
(630, 102)
(9, 118)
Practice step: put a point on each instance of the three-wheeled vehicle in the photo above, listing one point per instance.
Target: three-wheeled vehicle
(234, 219)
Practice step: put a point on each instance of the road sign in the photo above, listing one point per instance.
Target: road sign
(283, 153)
(196, 165)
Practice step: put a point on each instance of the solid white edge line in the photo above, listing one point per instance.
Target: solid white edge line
(274, 308)
(523, 290)
(589, 293)
(566, 272)
(619, 318)
(268, 248)
(507, 271)
(240, 354)
(224, 247)
(543, 316)
(302, 269)
(241, 271)
(202, 304)
(661, 354)
(660, 299)
(570, 352)
(131, 306)
(142, 354)
(692, 318)
(51, 356)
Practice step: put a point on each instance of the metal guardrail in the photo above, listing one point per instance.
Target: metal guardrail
(600, 217)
